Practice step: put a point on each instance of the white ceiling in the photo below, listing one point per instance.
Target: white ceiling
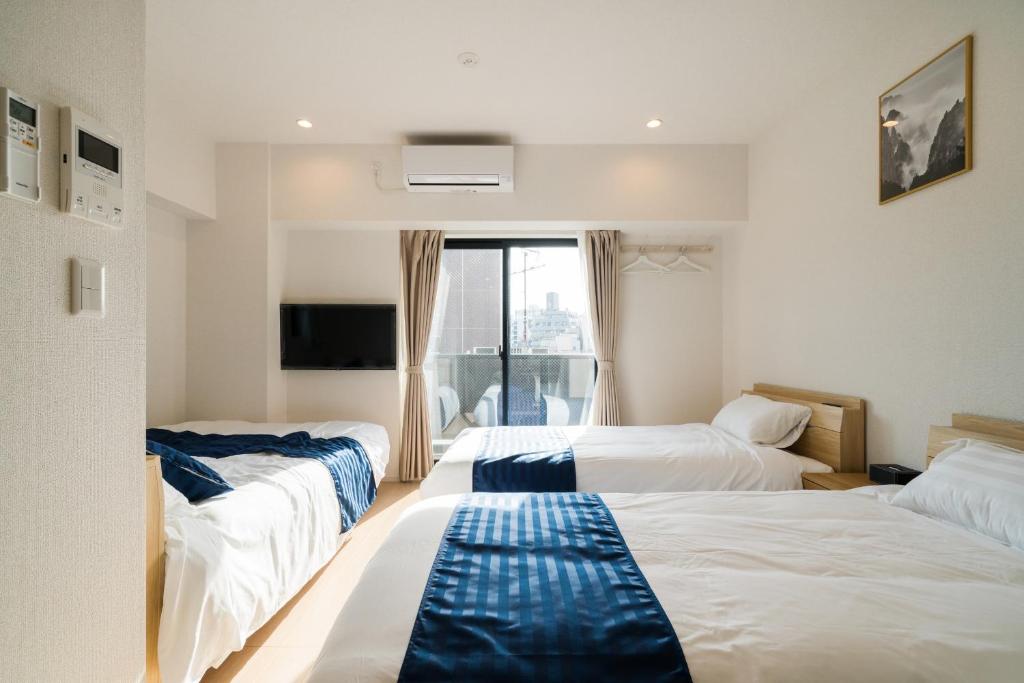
(551, 71)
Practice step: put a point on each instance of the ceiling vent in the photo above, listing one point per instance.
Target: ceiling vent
(458, 168)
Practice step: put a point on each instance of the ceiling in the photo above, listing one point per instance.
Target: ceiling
(550, 71)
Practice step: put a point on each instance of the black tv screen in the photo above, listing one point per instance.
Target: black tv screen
(338, 336)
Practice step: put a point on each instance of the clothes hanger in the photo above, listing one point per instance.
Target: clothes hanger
(643, 260)
(682, 260)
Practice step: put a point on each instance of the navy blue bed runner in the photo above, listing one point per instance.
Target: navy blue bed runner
(343, 456)
(511, 459)
(539, 587)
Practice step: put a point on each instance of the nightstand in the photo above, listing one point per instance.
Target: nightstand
(835, 481)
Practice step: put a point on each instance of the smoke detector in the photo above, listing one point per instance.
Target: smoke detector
(468, 59)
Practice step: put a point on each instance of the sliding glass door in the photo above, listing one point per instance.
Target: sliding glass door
(510, 340)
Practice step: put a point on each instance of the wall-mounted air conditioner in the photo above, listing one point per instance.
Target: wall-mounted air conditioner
(458, 168)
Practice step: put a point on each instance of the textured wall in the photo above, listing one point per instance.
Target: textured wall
(72, 395)
(915, 305)
(165, 317)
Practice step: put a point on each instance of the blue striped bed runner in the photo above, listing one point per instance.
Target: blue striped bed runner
(539, 587)
(344, 457)
(511, 459)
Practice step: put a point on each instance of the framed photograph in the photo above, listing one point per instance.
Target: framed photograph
(924, 125)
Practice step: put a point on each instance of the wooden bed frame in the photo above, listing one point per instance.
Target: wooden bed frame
(1005, 432)
(155, 541)
(835, 434)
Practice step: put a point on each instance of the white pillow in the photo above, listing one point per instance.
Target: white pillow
(976, 485)
(760, 420)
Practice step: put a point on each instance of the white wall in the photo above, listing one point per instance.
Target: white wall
(180, 158)
(277, 380)
(228, 272)
(331, 235)
(669, 362)
(914, 305)
(165, 316)
(670, 345)
(345, 266)
(72, 396)
(553, 183)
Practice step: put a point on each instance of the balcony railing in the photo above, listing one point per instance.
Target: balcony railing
(544, 388)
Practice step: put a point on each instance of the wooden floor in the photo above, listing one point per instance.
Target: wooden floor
(284, 650)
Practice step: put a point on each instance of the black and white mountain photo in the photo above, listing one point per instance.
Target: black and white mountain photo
(925, 125)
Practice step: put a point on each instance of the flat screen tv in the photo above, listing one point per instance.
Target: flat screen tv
(338, 337)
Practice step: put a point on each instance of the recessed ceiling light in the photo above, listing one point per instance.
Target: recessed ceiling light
(304, 123)
(654, 123)
(468, 59)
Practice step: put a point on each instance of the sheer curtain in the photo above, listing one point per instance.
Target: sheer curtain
(421, 264)
(600, 255)
(439, 394)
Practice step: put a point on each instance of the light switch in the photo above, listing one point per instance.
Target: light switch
(92, 275)
(88, 284)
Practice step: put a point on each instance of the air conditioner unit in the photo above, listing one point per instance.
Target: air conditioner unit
(458, 168)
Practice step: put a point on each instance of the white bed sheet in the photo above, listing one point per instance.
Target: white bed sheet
(759, 586)
(689, 457)
(235, 560)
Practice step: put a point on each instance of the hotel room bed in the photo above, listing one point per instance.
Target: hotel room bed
(769, 586)
(690, 457)
(753, 586)
(234, 560)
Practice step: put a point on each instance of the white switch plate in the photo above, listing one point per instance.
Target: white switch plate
(88, 287)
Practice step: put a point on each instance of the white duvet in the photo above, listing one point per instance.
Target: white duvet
(235, 560)
(790, 586)
(690, 457)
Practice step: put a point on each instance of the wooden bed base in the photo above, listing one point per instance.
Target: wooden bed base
(835, 434)
(155, 540)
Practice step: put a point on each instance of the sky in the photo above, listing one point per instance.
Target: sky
(550, 269)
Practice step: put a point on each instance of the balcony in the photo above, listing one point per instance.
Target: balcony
(545, 389)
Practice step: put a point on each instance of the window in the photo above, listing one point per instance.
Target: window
(510, 321)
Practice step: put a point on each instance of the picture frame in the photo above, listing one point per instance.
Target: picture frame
(924, 124)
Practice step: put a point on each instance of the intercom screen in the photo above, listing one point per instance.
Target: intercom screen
(97, 151)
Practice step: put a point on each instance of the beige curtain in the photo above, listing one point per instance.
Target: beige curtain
(421, 266)
(601, 270)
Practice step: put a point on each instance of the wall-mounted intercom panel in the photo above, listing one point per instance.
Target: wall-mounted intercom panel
(91, 169)
(19, 154)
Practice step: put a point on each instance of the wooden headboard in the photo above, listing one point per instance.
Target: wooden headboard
(835, 434)
(1005, 432)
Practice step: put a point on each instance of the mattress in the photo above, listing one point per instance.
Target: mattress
(690, 457)
(233, 561)
(758, 586)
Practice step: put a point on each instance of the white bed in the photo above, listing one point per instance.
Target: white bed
(234, 560)
(759, 586)
(689, 457)
(692, 457)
